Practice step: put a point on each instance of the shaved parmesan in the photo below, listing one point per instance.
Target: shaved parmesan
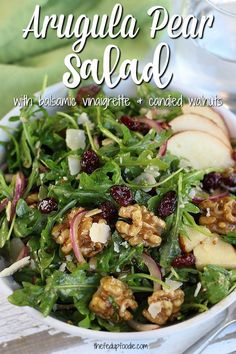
(155, 308)
(93, 212)
(75, 139)
(149, 114)
(198, 288)
(69, 258)
(192, 193)
(116, 247)
(152, 170)
(146, 179)
(100, 232)
(74, 165)
(83, 119)
(173, 284)
(62, 267)
(15, 267)
(8, 211)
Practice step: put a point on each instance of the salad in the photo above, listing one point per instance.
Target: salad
(119, 219)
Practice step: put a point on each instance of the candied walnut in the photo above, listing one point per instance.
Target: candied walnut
(219, 215)
(145, 228)
(164, 306)
(61, 234)
(112, 300)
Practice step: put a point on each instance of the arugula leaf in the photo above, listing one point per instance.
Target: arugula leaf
(171, 248)
(28, 221)
(6, 190)
(30, 295)
(142, 197)
(143, 160)
(186, 275)
(46, 239)
(216, 281)
(56, 171)
(151, 141)
(113, 327)
(12, 149)
(32, 180)
(117, 255)
(230, 237)
(66, 193)
(101, 179)
(77, 285)
(26, 157)
(120, 129)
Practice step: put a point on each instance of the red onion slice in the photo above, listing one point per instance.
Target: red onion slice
(140, 327)
(157, 125)
(162, 150)
(74, 236)
(19, 189)
(152, 124)
(212, 197)
(154, 270)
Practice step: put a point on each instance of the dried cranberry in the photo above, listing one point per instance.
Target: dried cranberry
(109, 211)
(122, 195)
(185, 260)
(167, 204)
(85, 92)
(211, 181)
(229, 181)
(47, 205)
(89, 161)
(134, 124)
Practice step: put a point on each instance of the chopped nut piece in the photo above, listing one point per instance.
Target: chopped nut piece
(164, 306)
(219, 215)
(146, 227)
(61, 234)
(32, 200)
(112, 300)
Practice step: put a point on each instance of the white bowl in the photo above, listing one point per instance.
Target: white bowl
(178, 336)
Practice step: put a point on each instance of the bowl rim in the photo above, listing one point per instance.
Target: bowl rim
(6, 289)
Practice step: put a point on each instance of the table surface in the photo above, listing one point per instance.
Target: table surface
(21, 334)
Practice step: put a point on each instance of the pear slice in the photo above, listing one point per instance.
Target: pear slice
(212, 250)
(208, 113)
(197, 122)
(193, 238)
(200, 150)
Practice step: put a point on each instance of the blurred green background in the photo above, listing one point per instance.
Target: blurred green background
(25, 62)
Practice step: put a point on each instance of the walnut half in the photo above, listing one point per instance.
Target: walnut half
(112, 300)
(163, 306)
(219, 215)
(145, 228)
(61, 234)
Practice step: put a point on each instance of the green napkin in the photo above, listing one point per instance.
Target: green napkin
(25, 62)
